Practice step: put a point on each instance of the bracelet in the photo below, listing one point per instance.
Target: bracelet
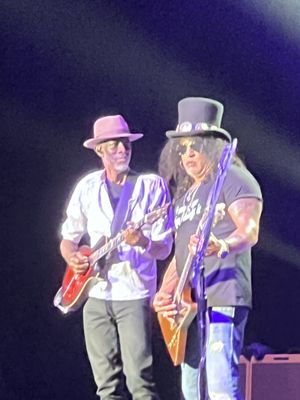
(224, 249)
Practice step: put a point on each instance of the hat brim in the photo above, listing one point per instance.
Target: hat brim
(219, 133)
(92, 143)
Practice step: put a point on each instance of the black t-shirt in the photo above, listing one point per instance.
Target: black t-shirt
(228, 280)
(114, 192)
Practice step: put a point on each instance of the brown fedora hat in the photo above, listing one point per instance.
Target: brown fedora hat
(199, 116)
(109, 128)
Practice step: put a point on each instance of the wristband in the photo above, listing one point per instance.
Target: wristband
(224, 249)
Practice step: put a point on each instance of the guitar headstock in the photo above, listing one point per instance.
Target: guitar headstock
(227, 155)
(156, 214)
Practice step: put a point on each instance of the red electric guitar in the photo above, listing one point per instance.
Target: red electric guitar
(75, 287)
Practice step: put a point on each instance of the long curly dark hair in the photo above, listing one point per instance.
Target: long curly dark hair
(170, 168)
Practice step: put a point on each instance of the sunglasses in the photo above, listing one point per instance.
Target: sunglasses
(112, 145)
(196, 145)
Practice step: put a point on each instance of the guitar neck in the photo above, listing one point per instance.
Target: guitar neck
(187, 266)
(106, 248)
(183, 279)
(112, 244)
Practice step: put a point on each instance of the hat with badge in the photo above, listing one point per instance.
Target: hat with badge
(199, 116)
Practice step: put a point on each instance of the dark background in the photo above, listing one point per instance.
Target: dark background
(66, 62)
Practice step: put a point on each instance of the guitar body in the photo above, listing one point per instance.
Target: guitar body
(75, 287)
(174, 331)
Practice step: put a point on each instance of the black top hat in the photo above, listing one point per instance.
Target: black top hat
(199, 116)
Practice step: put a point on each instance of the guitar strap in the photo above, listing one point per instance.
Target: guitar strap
(119, 218)
(122, 205)
(121, 210)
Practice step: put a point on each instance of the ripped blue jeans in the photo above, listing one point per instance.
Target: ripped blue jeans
(224, 345)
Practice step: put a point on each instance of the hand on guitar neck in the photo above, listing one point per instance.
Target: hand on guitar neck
(215, 246)
(135, 237)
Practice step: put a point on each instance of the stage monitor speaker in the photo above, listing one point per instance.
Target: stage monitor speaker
(244, 370)
(276, 377)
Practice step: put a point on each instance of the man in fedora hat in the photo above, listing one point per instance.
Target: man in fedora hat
(189, 163)
(116, 315)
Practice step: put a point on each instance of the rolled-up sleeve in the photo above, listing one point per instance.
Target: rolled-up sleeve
(75, 225)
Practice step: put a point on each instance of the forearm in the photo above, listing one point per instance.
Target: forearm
(240, 241)
(245, 213)
(163, 300)
(67, 249)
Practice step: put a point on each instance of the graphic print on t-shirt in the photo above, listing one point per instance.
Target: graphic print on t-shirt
(187, 212)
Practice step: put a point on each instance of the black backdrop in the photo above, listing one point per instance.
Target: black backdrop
(63, 64)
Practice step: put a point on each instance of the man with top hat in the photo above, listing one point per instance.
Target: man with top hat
(189, 163)
(116, 315)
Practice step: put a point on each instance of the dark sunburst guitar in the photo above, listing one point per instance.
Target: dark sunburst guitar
(75, 287)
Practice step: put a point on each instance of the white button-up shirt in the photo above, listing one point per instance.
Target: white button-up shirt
(133, 275)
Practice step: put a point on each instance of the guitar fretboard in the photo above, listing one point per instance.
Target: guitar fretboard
(187, 266)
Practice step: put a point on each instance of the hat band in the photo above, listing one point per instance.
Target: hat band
(113, 132)
(198, 126)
